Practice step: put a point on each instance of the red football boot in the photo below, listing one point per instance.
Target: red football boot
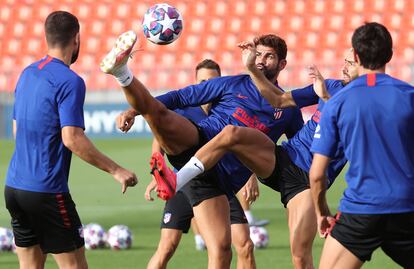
(165, 177)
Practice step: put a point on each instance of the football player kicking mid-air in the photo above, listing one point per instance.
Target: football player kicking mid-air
(283, 168)
(178, 212)
(235, 101)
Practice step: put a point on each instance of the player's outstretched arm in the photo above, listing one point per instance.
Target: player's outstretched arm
(318, 185)
(319, 85)
(76, 141)
(275, 96)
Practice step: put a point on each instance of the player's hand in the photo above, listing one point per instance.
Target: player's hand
(318, 81)
(250, 190)
(125, 177)
(151, 187)
(248, 54)
(126, 119)
(325, 225)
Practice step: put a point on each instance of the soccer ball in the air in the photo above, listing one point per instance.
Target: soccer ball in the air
(162, 24)
(94, 236)
(259, 236)
(6, 239)
(119, 237)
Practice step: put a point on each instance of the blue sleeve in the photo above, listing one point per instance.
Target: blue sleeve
(70, 103)
(305, 96)
(295, 124)
(194, 95)
(326, 137)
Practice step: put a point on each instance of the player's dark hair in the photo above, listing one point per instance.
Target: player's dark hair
(373, 44)
(275, 42)
(209, 64)
(60, 28)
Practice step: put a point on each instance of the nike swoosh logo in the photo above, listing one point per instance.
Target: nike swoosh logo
(196, 165)
(242, 96)
(125, 80)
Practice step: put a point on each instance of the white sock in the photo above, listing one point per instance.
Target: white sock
(249, 216)
(189, 171)
(123, 75)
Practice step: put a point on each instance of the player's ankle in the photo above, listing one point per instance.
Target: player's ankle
(123, 75)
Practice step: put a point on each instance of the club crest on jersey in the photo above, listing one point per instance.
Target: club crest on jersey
(278, 113)
(167, 217)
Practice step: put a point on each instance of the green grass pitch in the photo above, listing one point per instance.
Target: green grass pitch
(99, 199)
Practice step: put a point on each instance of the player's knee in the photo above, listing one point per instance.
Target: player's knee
(166, 250)
(302, 262)
(230, 135)
(245, 249)
(302, 255)
(220, 248)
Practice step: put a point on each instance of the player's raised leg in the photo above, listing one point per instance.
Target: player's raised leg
(253, 148)
(163, 122)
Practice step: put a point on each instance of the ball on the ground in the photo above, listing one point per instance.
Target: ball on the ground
(94, 236)
(259, 236)
(162, 24)
(6, 239)
(119, 237)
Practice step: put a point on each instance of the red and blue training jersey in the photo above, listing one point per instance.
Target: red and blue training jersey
(48, 97)
(372, 117)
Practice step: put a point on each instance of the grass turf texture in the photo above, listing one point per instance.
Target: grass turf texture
(99, 199)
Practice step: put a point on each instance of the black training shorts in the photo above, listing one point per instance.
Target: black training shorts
(47, 219)
(178, 212)
(287, 178)
(361, 234)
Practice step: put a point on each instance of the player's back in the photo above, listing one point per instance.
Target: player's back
(377, 130)
(43, 96)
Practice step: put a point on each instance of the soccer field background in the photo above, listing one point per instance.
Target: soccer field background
(99, 199)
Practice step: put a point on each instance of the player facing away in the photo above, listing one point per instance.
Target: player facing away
(373, 119)
(49, 123)
(178, 212)
(236, 101)
(283, 168)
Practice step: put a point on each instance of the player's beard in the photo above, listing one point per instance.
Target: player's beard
(270, 74)
(75, 54)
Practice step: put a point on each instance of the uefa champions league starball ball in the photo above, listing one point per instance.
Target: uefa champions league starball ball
(162, 24)
(259, 236)
(94, 236)
(6, 239)
(119, 237)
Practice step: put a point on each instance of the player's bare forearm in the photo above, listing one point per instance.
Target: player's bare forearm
(318, 184)
(77, 142)
(269, 91)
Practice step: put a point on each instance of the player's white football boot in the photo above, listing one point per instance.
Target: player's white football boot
(119, 54)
